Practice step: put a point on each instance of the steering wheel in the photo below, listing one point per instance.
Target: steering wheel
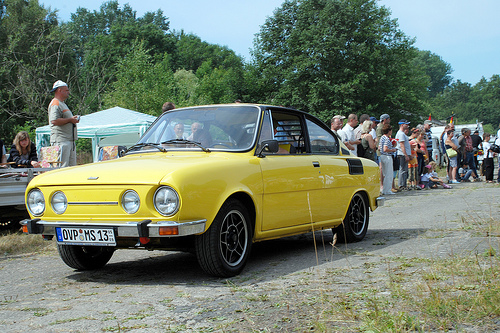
(220, 144)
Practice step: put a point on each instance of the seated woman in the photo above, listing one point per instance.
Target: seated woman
(23, 152)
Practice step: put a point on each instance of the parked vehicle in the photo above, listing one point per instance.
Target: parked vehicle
(437, 154)
(237, 174)
(13, 183)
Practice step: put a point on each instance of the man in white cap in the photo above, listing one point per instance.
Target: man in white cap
(62, 123)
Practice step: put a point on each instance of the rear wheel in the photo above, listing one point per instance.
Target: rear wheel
(85, 257)
(355, 223)
(224, 248)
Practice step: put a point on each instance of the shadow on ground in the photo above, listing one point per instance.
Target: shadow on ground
(268, 260)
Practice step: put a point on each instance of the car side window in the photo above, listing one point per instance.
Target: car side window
(322, 141)
(285, 128)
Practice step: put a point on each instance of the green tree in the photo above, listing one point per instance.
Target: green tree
(141, 84)
(437, 71)
(186, 86)
(103, 38)
(336, 56)
(34, 53)
(469, 103)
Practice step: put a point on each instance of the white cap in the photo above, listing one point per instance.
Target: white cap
(58, 84)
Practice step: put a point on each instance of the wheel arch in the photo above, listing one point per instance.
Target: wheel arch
(248, 202)
(371, 203)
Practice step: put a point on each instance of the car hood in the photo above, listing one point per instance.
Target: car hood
(134, 169)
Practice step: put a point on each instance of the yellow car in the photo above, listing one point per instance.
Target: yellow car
(213, 179)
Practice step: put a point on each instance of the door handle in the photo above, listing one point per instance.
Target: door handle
(316, 164)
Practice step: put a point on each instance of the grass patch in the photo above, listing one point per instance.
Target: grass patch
(13, 243)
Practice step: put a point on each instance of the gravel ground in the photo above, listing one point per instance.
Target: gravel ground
(282, 288)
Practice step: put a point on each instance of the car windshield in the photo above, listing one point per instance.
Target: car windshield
(225, 127)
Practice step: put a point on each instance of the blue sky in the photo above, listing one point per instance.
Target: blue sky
(463, 33)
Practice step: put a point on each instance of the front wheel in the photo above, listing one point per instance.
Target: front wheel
(85, 257)
(224, 248)
(355, 223)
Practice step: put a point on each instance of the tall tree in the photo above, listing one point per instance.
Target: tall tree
(141, 84)
(103, 38)
(34, 53)
(337, 56)
(437, 71)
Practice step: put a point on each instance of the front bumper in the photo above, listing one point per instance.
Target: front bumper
(380, 201)
(122, 229)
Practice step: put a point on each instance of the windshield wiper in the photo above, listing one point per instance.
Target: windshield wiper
(187, 142)
(145, 144)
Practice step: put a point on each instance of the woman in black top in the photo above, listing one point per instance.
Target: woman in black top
(23, 152)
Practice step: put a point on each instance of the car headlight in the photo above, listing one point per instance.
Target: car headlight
(131, 201)
(59, 202)
(166, 201)
(36, 202)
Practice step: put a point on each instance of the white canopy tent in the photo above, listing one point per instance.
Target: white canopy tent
(99, 125)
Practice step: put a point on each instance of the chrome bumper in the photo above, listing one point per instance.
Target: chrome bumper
(380, 201)
(123, 229)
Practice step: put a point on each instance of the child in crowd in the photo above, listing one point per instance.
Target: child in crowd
(430, 177)
(413, 162)
(464, 173)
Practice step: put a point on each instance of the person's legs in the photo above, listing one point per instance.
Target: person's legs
(403, 171)
(498, 176)
(488, 169)
(469, 160)
(66, 147)
(386, 167)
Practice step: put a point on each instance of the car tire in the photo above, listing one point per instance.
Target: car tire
(224, 248)
(85, 257)
(355, 223)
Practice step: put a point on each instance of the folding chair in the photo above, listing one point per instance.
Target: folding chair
(110, 152)
(50, 157)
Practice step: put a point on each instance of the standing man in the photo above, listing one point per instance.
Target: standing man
(428, 134)
(476, 142)
(403, 153)
(467, 151)
(62, 123)
(336, 124)
(348, 134)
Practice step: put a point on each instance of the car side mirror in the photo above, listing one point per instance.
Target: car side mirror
(268, 146)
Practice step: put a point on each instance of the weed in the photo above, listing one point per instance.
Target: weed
(17, 243)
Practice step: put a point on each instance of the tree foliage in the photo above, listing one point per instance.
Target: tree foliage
(33, 52)
(469, 103)
(437, 71)
(323, 56)
(334, 56)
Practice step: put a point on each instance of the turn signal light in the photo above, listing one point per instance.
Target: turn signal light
(168, 231)
(25, 229)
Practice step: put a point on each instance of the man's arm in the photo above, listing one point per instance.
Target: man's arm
(403, 149)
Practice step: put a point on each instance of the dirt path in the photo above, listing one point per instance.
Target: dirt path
(283, 287)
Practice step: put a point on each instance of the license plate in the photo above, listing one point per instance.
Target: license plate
(86, 236)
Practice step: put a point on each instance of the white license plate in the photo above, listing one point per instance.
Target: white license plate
(86, 236)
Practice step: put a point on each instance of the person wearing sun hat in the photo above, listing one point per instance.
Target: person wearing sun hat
(62, 122)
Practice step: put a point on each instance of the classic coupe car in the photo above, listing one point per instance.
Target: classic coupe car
(208, 179)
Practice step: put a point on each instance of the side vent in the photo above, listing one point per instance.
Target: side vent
(355, 166)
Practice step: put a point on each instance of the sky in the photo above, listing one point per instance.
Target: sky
(463, 33)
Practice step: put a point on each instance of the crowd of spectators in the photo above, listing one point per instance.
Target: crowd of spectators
(407, 156)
